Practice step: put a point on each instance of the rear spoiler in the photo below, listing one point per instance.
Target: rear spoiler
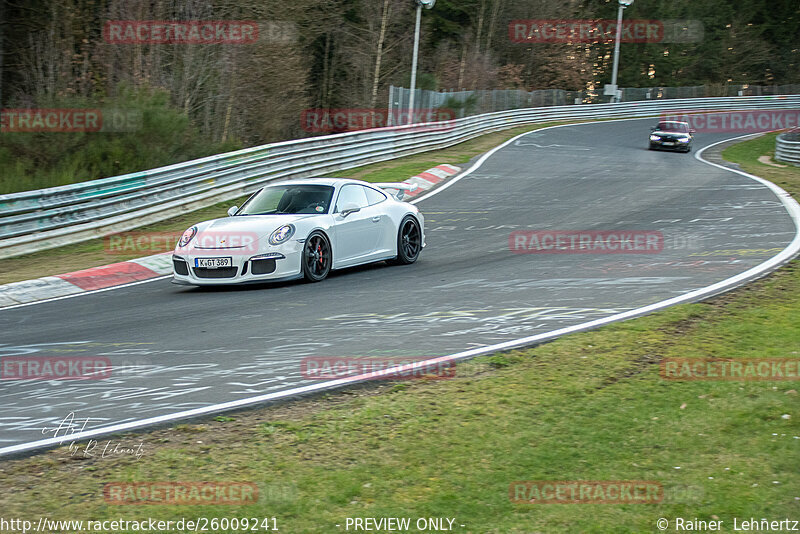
(399, 188)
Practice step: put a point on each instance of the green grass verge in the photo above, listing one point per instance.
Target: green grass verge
(96, 252)
(746, 155)
(588, 406)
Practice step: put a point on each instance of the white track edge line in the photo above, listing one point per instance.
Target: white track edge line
(486, 156)
(785, 255)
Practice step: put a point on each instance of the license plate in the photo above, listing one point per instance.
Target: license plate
(213, 263)
(668, 143)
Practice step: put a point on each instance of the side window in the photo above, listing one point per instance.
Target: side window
(352, 194)
(373, 196)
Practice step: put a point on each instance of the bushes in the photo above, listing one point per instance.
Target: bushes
(161, 135)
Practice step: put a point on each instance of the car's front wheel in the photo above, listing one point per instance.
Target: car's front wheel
(317, 257)
(409, 241)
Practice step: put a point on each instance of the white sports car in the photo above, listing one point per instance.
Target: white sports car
(302, 228)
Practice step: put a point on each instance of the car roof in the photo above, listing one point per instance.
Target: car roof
(321, 181)
(673, 122)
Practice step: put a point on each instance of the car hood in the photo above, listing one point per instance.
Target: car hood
(241, 230)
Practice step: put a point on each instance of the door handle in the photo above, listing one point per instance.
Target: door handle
(377, 218)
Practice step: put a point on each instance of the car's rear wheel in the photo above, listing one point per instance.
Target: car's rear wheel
(409, 241)
(317, 257)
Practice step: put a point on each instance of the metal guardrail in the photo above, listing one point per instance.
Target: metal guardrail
(787, 147)
(46, 218)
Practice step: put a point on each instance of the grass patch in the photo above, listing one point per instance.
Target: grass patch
(93, 253)
(746, 154)
(589, 406)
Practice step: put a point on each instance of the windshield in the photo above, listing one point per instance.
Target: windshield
(282, 199)
(673, 127)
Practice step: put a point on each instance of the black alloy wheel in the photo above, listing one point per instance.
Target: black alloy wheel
(316, 257)
(409, 241)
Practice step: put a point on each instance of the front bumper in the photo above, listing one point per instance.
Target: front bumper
(669, 144)
(282, 263)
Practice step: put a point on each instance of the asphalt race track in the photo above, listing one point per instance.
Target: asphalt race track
(175, 348)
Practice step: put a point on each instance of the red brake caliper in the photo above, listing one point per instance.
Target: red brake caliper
(319, 251)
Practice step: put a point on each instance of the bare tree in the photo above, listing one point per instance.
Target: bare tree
(379, 54)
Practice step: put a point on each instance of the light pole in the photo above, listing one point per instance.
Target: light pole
(420, 4)
(622, 5)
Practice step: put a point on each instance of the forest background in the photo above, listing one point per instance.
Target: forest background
(200, 99)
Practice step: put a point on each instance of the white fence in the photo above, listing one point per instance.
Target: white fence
(37, 220)
(464, 103)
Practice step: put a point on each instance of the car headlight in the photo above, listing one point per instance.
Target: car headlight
(655, 138)
(187, 236)
(684, 140)
(281, 235)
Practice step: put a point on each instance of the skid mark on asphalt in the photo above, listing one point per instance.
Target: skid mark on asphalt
(525, 142)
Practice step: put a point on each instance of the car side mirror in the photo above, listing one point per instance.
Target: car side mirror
(232, 210)
(347, 209)
(692, 130)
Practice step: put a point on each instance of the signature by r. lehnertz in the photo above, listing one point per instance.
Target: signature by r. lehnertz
(72, 425)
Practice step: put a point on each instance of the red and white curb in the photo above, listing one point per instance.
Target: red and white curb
(93, 279)
(430, 178)
(147, 268)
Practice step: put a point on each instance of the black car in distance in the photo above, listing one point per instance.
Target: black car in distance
(671, 135)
